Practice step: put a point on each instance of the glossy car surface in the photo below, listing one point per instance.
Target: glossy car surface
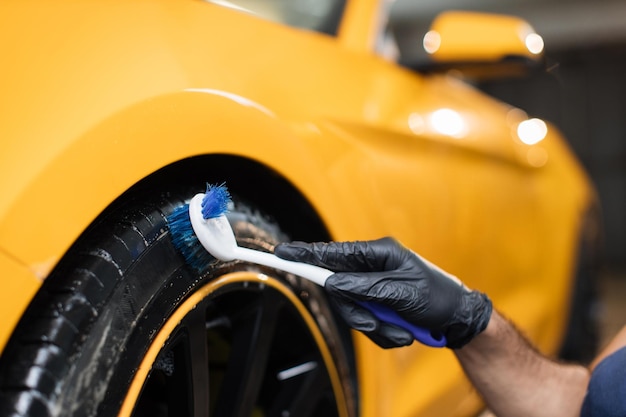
(107, 102)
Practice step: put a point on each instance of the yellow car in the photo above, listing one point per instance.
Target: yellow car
(114, 113)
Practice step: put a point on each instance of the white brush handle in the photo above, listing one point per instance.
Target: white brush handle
(311, 272)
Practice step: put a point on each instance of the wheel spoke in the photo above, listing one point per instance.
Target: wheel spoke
(301, 393)
(251, 345)
(199, 361)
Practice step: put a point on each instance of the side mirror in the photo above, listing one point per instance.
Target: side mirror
(482, 45)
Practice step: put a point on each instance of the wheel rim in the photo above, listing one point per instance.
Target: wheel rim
(233, 349)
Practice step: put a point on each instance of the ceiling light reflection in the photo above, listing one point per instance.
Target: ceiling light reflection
(532, 131)
(432, 41)
(534, 43)
(230, 5)
(448, 122)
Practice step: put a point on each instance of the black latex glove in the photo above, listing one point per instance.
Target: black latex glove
(386, 272)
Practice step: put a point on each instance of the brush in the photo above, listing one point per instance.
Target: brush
(201, 228)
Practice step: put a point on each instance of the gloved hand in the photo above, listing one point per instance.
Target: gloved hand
(386, 272)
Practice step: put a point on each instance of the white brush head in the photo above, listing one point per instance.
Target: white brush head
(214, 234)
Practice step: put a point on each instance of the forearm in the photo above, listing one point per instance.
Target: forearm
(516, 380)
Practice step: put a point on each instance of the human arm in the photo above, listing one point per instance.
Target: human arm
(514, 379)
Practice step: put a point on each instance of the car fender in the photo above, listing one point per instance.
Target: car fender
(98, 166)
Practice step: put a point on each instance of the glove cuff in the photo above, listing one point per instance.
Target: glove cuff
(471, 319)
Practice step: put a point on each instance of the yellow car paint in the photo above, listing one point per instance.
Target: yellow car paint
(140, 85)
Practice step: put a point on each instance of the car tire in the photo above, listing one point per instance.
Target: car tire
(125, 327)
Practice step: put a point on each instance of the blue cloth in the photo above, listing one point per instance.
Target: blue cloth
(606, 394)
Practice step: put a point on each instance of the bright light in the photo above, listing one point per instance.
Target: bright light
(532, 131)
(432, 41)
(230, 5)
(448, 122)
(534, 43)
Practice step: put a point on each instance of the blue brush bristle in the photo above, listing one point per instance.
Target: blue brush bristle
(214, 204)
(215, 201)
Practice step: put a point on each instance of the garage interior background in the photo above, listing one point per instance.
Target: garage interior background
(582, 90)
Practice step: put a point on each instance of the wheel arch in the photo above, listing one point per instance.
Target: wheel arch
(256, 183)
(90, 171)
(188, 135)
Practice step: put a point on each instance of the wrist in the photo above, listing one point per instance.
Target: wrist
(471, 319)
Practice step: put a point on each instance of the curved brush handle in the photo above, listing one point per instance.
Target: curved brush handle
(319, 275)
(387, 315)
(311, 272)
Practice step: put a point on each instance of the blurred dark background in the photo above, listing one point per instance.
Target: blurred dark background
(581, 88)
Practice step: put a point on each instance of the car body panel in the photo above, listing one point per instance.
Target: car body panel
(99, 95)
